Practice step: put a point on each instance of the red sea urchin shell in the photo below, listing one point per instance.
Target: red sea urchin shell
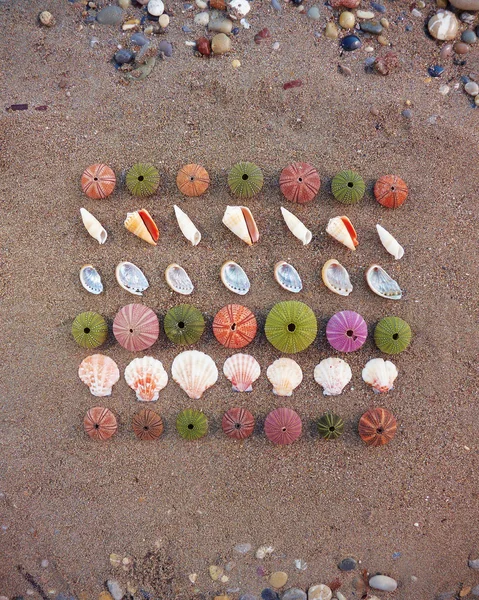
(98, 181)
(390, 191)
(192, 180)
(100, 423)
(299, 182)
(377, 427)
(282, 426)
(238, 423)
(136, 327)
(147, 425)
(234, 326)
(346, 331)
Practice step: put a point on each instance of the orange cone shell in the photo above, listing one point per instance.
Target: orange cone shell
(192, 180)
(234, 326)
(100, 423)
(390, 191)
(98, 181)
(377, 427)
(299, 182)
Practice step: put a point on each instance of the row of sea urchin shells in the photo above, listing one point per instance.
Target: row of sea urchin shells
(282, 426)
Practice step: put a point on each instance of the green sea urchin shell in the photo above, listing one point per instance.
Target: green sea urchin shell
(348, 187)
(245, 179)
(191, 424)
(291, 326)
(184, 324)
(142, 179)
(330, 426)
(89, 330)
(392, 335)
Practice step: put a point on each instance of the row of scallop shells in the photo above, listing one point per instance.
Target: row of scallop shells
(195, 372)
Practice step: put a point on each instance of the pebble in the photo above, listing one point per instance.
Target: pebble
(202, 19)
(369, 49)
(435, 71)
(276, 5)
(115, 559)
(350, 43)
(110, 15)
(186, 29)
(466, 590)
(347, 20)
(165, 47)
(444, 90)
(115, 589)
(138, 39)
(294, 594)
(276, 46)
(220, 25)
(467, 18)
(383, 40)
(46, 18)
(278, 579)
(201, 4)
(220, 44)
(313, 13)
(347, 564)
(203, 46)
(364, 14)
(476, 100)
(474, 564)
(319, 592)
(345, 70)
(443, 25)
(124, 4)
(383, 583)
(269, 594)
(331, 31)
(373, 27)
(237, 9)
(44, 564)
(264, 551)
(461, 48)
(469, 36)
(466, 4)
(446, 51)
(370, 61)
(248, 597)
(475, 590)
(340, 596)
(155, 8)
(243, 548)
(378, 7)
(164, 21)
(415, 13)
(215, 572)
(472, 88)
(123, 57)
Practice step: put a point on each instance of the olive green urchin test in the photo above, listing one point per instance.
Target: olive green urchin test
(348, 187)
(245, 179)
(392, 335)
(291, 326)
(191, 424)
(330, 426)
(89, 330)
(142, 179)
(184, 324)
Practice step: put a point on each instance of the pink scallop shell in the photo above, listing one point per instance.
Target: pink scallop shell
(346, 331)
(282, 426)
(136, 327)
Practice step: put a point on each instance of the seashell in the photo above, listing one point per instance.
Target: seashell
(234, 326)
(194, 372)
(141, 224)
(390, 191)
(131, 278)
(245, 179)
(287, 277)
(242, 370)
(285, 375)
(240, 221)
(99, 373)
(282, 426)
(100, 423)
(192, 424)
(382, 284)
(142, 179)
(390, 243)
(342, 230)
(377, 427)
(297, 228)
(192, 180)
(299, 182)
(330, 426)
(392, 335)
(178, 280)
(443, 25)
(89, 329)
(147, 424)
(147, 377)
(98, 181)
(187, 227)
(234, 278)
(238, 423)
(184, 324)
(333, 374)
(336, 278)
(264, 551)
(348, 187)
(91, 280)
(136, 327)
(346, 331)
(93, 226)
(380, 374)
(291, 326)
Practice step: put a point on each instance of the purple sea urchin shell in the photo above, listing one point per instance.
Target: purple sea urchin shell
(346, 331)
(282, 426)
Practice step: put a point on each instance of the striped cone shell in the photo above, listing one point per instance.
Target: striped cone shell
(98, 181)
(377, 427)
(299, 182)
(234, 326)
(192, 180)
(282, 426)
(147, 425)
(136, 327)
(100, 423)
(346, 331)
(390, 191)
(238, 423)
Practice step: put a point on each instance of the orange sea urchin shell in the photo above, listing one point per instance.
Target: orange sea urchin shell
(377, 427)
(299, 182)
(390, 191)
(100, 423)
(234, 326)
(192, 180)
(98, 181)
(147, 424)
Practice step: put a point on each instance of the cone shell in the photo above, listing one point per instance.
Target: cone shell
(382, 284)
(98, 181)
(131, 278)
(136, 327)
(330, 426)
(93, 226)
(147, 425)
(240, 221)
(178, 280)
(336, 278)
(91, 280)
(299, 182)
(194, 372)
(380, 373)
(346, 331)
(187, 226)
(99, 373)
(89, 330)
(285, 375)
(238, 423)
(333, 374)
(192, 180)
(287, 277)
(234, 278)
(291, 326)
(342, 230)
(234, 326)
(141, 224)
(392, 335)
(282, 426)
(377, 427)
(147, 377)
(390, 191)
(242, 370)
(100, 423)
(297, 227)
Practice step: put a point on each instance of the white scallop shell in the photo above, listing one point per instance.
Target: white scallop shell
(285, 375)
(99, 373)
(93, 226)
(242, 370)
(390, 243)
(287, 277)
(147, 377)
(380, 374)
(336, 278)
(178, 280)
(382, 284)
(338, 229)
(194, 372)
(297, 228)
(234, 278)
(187, 226)
(240, 221)
(333, 374)
(91, 280)
(131, 278)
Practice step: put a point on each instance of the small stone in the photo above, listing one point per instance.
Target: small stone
(224, 578)
(441, 3)
(446, 51)
(201, 4)
(469, 37)
(350, 43)
(248, 597)
(218, 4)
(202, 19)
(203, 46)
(365, 14)
(443, 25)
(278, 579)
(345, 3)
(313, 13)
(124, 4)
(237, 9)
(264, 551)
(164, 21)
(415, 13)
(347, 20)
(236, 64)
(193, 577)
(220, 44)
(435, 71)
(444, 90)
(115, 589)
(275, 46)
(115, 559)
(384, 22)
(215, 572)
(466, 590)
(475, 589)
(340, 596)
(472, 88)
(138, 39)
(223, 597)
(220, 25)
(44, 565)
(383, 40)
(123, 57)
(369, 49)
(46, 18)
(105, 596)
(359, 584)
(378, 7)
(472, 5)
(300, 564)
(243, 548)
(155, 8)
(110, 15)
(476, 100)
(331, 31)
(383, 583)
(373, 27)
(269, 594)
(319, 592)
(165, 48)
(345, 70)
(466, 17)
(276, 5)
(461, 48)
(294, 594)
(347, 564)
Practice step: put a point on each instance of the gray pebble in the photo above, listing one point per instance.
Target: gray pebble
(248, 597)
(407, 113)
(473, 564)
(347, 564)
(469, 36)
(379, 7)
(294, 594)
(475, 590)
(276, 5)
(467, 18)
(139, 39)
(186, 29)
(371, 27)
(115, 589)
(165, 47)
(124, 56)
(110, 15)
(416, 13)
(369, 61)
(220, 25)
(313, 13)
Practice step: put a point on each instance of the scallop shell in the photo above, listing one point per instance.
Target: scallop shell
(390, 243)
(131, 278)
(240, 221)
(287, 277)
(136, 327)
(333, 374)
(192, 180)
(336, 278)
(342, 230)
(285, 375)
(234, 278)
(194, 372)
(141, 224)
(99, 373)
(147, 377)
(299, 182)
(98, 181)
(178, 280)
(282, 426)
(234, 326)
(187, 226)
(242, 370)
(91, 280)
(382, 284)
(380, 374)
(93, 226)
(100, 423)
(297, 227)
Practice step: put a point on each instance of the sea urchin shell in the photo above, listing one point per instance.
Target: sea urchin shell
(147, 424)
(142, 179)
(282, 426)
(238, 423)
(348, 187)
(245, 179)
(100, 423)
(136, 327)
(392, 335)
(299, 182)
(234, 326)
(192, 180)
(330, 426)
(89, 330)
(291, 326)
(346, 331)
(390, 191)
(191, 424)
(98, 181)
(184, 324)
(377, 427)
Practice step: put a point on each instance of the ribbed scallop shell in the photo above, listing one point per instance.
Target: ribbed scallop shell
(333, 374)
(98, 181)
(346, 331)
(238, 423)
(380, 373)
(192, 180)
(91, 280)
(287, 277)
(194, 372)
(234, 278)
(382, 284)
(100, 423)
(336, 278)
(285, 375)
(99, 373)
(147, 425)
(242, 370)
(136, 327)
(240, 221)
(178, 280)
(234, 326)
(299, 182)
(342, 230)
(282, 426)
(390, 191)
(377, 427)
(147, 377)
(131, 278)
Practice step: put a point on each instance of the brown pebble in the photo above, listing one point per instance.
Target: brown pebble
(374, 111)
(278, 579)
(441, 3)
(466, 590)
(292, 84)
(345, 70)
(383, 41)
(218, 4)
(461, 48)
(203, 46)
(446, 51)
(262, 35)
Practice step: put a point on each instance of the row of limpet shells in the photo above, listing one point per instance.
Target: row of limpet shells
(282, 426)
(299, 182)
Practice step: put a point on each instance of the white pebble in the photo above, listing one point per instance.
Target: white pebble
(238, 9)
(472, 88)
(245, 23)
(276, 46)
(202, 19)
(369, 49)
(364, 14)
(201, 4)
(190, 43)
(44, 564)
(164, 21)
(383, 582)
(156, 7)
(415, 13)
(444, 90)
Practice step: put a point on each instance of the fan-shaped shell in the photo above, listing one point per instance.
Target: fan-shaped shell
(285, 375)
(147, 377)
(136, 327)
(240, 221)
(91, 280)
(333, 374)
(141, 224)
(380, 373)
(390, 243)
(297, 227)
(377, 427)
(194, 372)
(192, 180)
(342, 230)
(299, 182)
(98, 181)
(346, 331)
(390, 191)
(147, 425)
(234, 278)
(336, 278)
(178, 280)
(238, 423)
(99, 373)
(188, 228)
(382, 284)
(282, 426)
(100, 423)
(287, 277)
(242, 370)
(234, 326)
(131, 278)
(93, 226)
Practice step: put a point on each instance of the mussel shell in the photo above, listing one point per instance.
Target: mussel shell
(234, 278)
(382, 284)
(287, 277)
(131, 278)
(178, 280)
(91, 280)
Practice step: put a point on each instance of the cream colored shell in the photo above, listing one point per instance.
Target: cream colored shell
(285, 375)
(333, 375)
(380, 373)
(93, 226)
(194, 372)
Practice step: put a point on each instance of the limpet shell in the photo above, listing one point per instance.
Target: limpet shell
(287, 277)
(234, 278)
(178, 280)
(91, 280)
(382, 284)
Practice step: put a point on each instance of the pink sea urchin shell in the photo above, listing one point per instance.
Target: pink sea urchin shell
(136, 327)
(282, 426)
(346, 331)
